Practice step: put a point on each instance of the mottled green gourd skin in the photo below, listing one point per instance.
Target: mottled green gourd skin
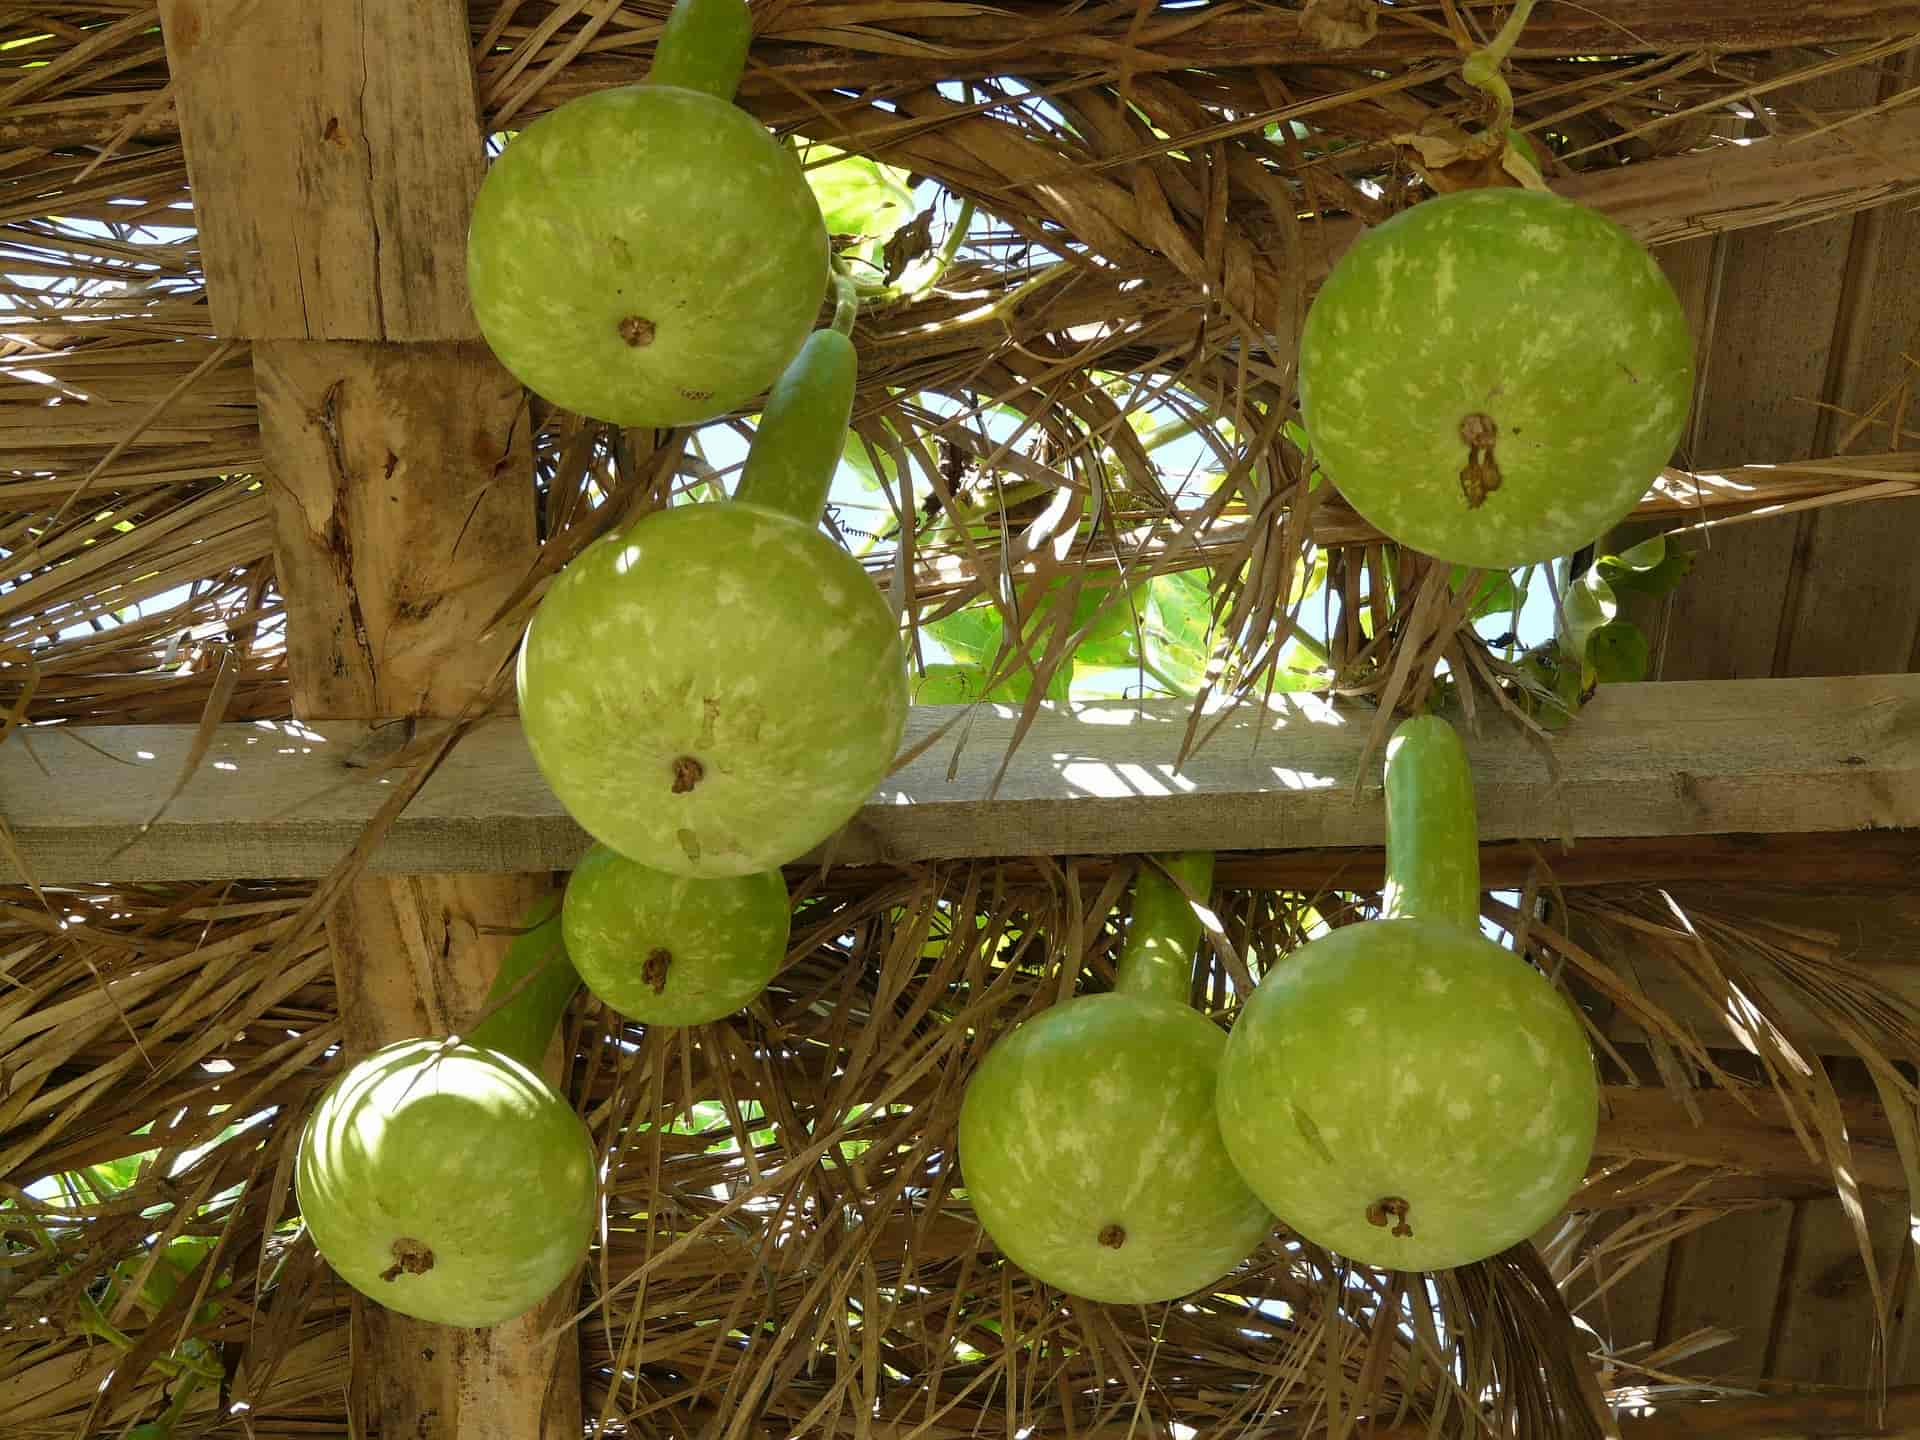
(732, 636)
(1404, 1091)
(1525, 308)
(1093, 1123)
(648, 255)
(670, 950)
(459, 1151)
(445, 1179)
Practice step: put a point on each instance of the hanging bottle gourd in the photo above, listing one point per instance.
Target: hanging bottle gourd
(716, 689)
(1088, 1139)
(669, 949)
(444, 1178)
(1496, 376)
(1403, 1090)
(650, 254)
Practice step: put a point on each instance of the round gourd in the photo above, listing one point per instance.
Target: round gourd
(1404, 1091)
(648, 254)
(1088, 1141)
(444, 1178)
(716, 690)
(1495, 377)
(670, 950)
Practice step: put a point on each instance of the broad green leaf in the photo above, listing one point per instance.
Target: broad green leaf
(971, 635)
(1617, 652)
(945, 684)
(1550, 670)
(1498, 595)
(1652, 567)
(1178, 627)
(1590, 603)
(854, 456)
(859, 196)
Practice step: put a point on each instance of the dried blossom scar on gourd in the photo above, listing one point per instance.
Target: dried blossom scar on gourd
(716, 689)
(1404, 1091)
(650, 254)
(444, 1178)
(1495, 377)
(1088, 1143)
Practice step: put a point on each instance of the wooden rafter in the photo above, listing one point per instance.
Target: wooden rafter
(334, 153)
(1767, 757)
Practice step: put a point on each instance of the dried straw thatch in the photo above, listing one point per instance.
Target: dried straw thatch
(785, 1251)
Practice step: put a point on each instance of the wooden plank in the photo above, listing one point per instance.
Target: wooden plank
(1852, 564)
(332, 179)
(334, 152)
(1626, 1312)
(1877, 932)
(1646, 1122)
(1727, 1275)
(1763, 367)
(445, 478)
(1773, 756)
(1821, 1415)
(1826, 1331)
(1856, 864)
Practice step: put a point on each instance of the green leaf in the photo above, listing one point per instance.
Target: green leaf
(1617, 652)
(945, 684)
(1590, 604)
(971, 635)
(858, 196)
(1498, 595)
(1178, 629)
(1650, 568)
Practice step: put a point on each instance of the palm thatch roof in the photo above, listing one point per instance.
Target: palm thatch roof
(1129, 209)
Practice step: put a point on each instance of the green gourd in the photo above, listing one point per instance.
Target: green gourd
(669, 949)
(445, 1178)
(716, 689)
(1495, 377)
(1403, 1090)
(1088, 1141)
(649, 254)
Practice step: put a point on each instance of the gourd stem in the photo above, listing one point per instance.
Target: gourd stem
(531, 990)
(1482, 68)
(1156, 960)
(704, 47)
(1433, 844)
(846, 302)
(803, 431)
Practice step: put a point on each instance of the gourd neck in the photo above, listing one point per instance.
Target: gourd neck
(704, 47)
(1156, 960)
(802, 433)
(541, 980)
(1433, 843)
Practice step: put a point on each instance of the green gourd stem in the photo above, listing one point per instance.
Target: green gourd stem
(846, 302)
(1482, 68)
(522, 1026)
(803, 430)
(1433, 843)
(704, 47)
(1156, 961)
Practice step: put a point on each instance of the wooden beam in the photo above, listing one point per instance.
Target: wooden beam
(1645, 1122)
(1773, 757)
(336, 207)
(334, 152)
(1827, 1415)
